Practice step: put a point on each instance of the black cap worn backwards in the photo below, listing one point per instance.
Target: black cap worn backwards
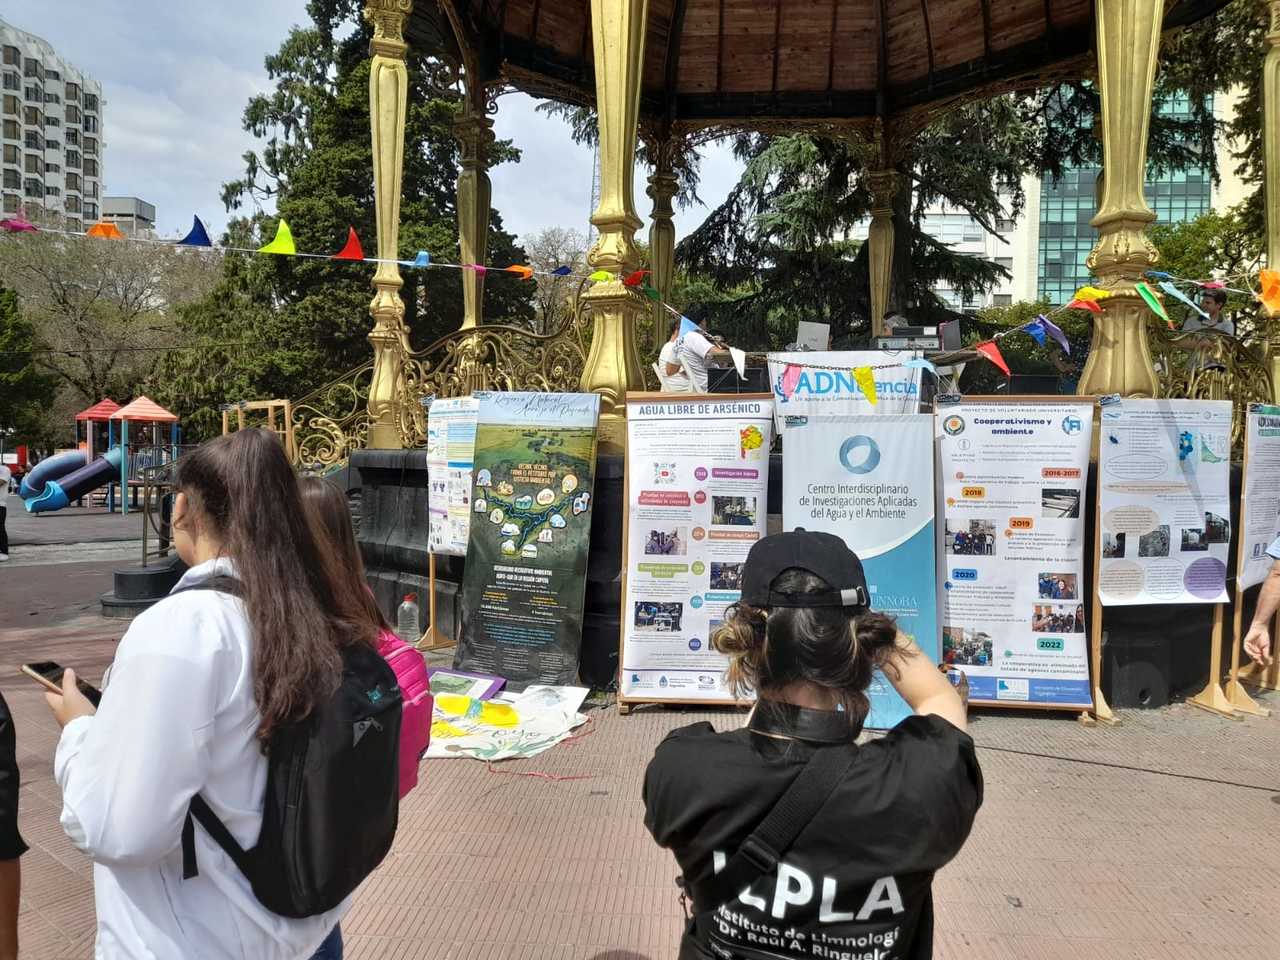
(824, 555)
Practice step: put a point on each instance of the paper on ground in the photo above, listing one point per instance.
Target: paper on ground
(546, 715)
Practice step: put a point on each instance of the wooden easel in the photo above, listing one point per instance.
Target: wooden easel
(1212, 697)
(1102, 712)
(1265, 678)
(433, 639)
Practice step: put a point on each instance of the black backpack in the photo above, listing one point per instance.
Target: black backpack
(332, 800)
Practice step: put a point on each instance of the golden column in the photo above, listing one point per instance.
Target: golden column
(1128, 41)
(613, 366)
(1271, 166)
(388, 90)
(884, 187)
(662, 231)
(474, 131)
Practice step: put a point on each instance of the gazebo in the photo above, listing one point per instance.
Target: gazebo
(678, 71)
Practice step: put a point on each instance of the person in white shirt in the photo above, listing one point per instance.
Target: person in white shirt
(674, 377)
(199, 683)
(6, 478)
(693, 350)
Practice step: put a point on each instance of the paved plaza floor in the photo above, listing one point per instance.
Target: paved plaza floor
(1157, 838)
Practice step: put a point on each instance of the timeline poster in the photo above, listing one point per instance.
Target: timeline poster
(697, 499)
(1260, 504)
(1164, 473)
(1013, 481)
(451, 441)
(821, 383)
(526, 568)
(869, 480)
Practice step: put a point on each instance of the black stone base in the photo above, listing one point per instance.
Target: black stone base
(138, 587)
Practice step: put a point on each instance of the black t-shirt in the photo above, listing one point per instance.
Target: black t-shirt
(856, 883)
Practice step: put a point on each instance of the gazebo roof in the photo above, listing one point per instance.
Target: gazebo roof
(100, 412)
(749, 63)
(145, 410)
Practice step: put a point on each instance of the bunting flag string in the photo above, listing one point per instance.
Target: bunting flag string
(282, 244)
(866, 381)
(992, 352)
(1168, 287)
(1036, 330)
(352, 249)
(198, 236)
(1153, 302)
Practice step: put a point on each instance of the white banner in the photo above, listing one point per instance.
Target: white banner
(1013, 480)
(697, 481)
(1164, 471)
(869, 480)
(451, 442)
(1260, 499)
(820, 383)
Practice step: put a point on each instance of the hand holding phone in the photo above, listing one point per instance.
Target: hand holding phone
(52, 676)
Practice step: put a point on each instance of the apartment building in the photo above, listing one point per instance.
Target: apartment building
(51, 144)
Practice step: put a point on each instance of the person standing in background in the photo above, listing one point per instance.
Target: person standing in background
(693, 350)
(6, 478)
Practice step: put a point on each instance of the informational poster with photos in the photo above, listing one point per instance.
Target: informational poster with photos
(1164, 473)
(1013, 483)
(697, 499)
(870, 481)
(451, 442)
(1260, 503)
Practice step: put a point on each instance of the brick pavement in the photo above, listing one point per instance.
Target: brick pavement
(1066, 858)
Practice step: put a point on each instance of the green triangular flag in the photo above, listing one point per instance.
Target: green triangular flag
(1156, 307)
(652, 293)
(283, 242)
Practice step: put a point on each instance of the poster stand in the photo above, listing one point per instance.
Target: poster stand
(1235, 694)
(625, 703)
(432, 639)
(1102, 712)
(1212, 697)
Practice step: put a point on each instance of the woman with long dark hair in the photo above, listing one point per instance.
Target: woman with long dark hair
(793, 840)
(198, 685)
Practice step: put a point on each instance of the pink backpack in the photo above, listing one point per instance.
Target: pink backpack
(415, 724)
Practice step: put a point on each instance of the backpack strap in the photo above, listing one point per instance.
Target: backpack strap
(199, 810)
(794, 810)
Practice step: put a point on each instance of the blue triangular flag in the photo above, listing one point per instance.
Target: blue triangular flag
(1177, 294)
(1036, 329)
(920, 363)
(688, 326)
(423, 259)
(1159, 275)
(1055, 331)
(197, 236)
(561, 272)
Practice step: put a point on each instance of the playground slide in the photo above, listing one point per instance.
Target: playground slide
(58, 493)
(50, 468)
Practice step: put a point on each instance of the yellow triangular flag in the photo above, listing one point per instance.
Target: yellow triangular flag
(866, 381)
(601, 276)
(1091, 293)
(283, 242)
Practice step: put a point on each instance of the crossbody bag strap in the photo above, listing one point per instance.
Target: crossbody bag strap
(794, 810)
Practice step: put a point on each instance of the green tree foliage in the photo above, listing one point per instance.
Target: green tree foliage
(309, 319)
(25, 389)
(1021, 352)
(1213, 244)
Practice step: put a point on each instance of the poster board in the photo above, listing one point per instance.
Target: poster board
(870, 481)
(526, 567)
(697, 483)
(1164, 501)
(451, 441)
(1014, 477)
(1260, 494)
(821, 383)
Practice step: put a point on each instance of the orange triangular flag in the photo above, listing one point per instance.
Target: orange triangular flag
(526, 273)
(1270, 292)
(352, 250)
(108, 231)
(1091, 305)
(989, 350)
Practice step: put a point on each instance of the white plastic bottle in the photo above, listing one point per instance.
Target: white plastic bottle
(407, 619)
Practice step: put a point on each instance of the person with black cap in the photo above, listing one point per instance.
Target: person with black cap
(793, 840)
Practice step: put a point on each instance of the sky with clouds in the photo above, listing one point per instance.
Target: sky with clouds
(177, 75)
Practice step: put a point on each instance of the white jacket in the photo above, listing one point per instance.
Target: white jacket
(178, 717)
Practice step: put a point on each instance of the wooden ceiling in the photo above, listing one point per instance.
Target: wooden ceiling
(718, 61)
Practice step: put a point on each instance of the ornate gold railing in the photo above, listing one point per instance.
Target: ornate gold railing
(1204, 365)
(332, 421)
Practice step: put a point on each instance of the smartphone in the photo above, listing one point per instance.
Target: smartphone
(49, 674)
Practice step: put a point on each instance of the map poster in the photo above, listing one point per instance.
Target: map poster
(1260, 502)
(821, 383)
(697, 499)
(1013, 481)
(526, 568)
(1164, 499)
(869, 480)
(451, 440)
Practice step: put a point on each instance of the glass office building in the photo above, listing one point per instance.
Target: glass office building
(1067, 207)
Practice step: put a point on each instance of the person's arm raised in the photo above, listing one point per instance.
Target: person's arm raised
(925, 689)
(1257, 642)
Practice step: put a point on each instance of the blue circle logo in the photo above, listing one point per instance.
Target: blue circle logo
(868, 462)
(695, 644)
(695, 602)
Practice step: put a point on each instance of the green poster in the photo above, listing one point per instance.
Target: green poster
(522, 589)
